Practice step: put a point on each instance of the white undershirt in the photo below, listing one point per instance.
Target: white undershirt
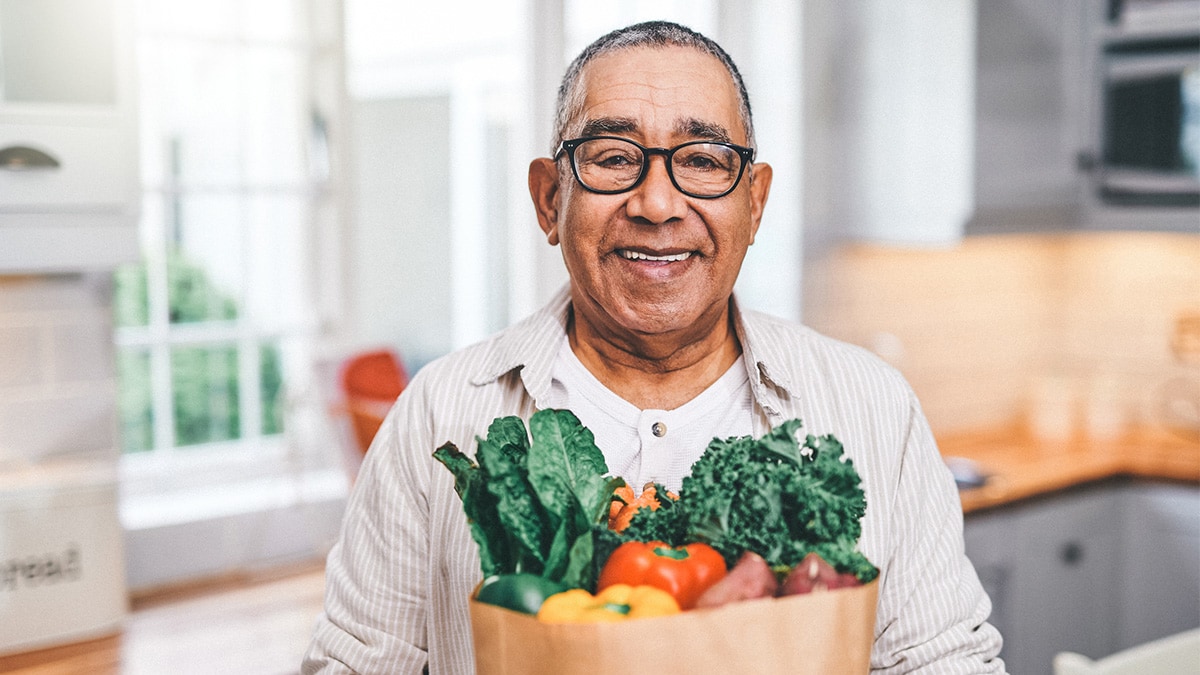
(626, 434)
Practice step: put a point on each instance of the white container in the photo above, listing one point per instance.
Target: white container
(62, 572)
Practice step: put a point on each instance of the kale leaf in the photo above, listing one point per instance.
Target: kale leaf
(773, 495)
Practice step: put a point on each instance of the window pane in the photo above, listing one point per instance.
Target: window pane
(130, 296)
(135, 400)
(204, 267)
(275, 116)
(205, 383)
(274, 20)
(209, 19)
(271, 387)
(276, 296)
(190, 113)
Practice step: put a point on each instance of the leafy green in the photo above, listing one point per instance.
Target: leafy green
(775, 496)
(537, 506)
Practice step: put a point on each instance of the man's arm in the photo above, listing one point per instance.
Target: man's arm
(938, 609)
(375, 580)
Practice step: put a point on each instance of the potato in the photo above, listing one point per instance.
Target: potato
(750, 578)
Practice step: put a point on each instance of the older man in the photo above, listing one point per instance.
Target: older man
(653, 196)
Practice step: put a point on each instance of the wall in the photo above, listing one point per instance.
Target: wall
(57, 376)
(995, 328)
(400, 282)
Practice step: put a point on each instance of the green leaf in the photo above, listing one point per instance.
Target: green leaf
(480, 506)
(564, 460)
(525, 522)
(578, 573)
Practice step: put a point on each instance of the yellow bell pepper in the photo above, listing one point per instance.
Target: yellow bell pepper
(615, 603)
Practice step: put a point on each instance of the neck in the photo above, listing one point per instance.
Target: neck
(657, 371)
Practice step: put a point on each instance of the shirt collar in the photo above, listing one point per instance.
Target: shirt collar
(766, 359)
(532, 344)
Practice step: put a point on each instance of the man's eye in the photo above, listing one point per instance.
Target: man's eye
(703, 162)
(616, 161)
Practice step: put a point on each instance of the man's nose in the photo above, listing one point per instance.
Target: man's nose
(656, 200)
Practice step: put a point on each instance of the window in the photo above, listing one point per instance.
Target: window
(216, 318)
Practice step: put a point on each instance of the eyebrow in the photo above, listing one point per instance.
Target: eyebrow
(688, 126)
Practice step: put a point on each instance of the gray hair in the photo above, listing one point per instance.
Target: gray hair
(647, 34)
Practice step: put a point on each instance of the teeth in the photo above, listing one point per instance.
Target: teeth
(634, 255)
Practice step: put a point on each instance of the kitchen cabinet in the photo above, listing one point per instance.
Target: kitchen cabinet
(1031, 115)
(1160, 579)
(1040, 113)
(1047, 566)
(69, 189)
(1091, 570)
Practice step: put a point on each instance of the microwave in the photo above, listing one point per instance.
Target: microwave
(1150, 119)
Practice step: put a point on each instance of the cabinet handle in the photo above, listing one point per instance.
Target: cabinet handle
(24, 158)
(1072, 553)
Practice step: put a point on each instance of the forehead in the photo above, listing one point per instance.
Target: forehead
(660, 91)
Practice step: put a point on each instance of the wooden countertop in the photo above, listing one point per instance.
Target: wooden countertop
(1019, 465)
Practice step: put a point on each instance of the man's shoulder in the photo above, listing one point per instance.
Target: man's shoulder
(799, 347)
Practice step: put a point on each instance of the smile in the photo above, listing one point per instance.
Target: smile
(635, 255)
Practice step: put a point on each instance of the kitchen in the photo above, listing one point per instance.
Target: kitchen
(1048, 326)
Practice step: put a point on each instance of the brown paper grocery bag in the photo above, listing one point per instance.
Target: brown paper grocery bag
(821, 633)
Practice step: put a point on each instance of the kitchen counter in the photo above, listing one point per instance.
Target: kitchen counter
(1019, 465)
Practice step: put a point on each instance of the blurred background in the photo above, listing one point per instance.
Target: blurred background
(208, 210)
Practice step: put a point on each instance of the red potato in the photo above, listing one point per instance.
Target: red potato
(814, 574)
(750, 578)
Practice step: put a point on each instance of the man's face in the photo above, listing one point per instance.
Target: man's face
(652, 260)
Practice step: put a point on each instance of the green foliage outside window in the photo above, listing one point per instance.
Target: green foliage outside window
(204, 379)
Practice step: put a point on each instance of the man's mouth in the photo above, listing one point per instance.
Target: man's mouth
(638, 255)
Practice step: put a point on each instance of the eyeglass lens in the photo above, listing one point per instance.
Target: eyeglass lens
(610, 164)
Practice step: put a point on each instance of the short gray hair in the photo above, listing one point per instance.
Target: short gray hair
(646, 34)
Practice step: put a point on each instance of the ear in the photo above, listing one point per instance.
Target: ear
(760, 189)
(544, 189)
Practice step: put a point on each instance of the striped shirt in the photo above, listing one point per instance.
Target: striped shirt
(398, 579)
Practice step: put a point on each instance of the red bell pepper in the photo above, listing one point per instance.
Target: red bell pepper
(683, 571)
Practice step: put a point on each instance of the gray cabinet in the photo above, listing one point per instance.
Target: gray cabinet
(1159, 582)
(1048, 566)
(1092, 570)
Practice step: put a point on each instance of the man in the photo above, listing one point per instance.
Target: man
(653, 196)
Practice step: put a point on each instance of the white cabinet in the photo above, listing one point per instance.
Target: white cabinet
(68, 142)
(62, 566)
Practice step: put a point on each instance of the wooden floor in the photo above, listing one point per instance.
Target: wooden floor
(250, 624)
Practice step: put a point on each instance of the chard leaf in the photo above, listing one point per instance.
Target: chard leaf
(565, 466)
(495, 555)
(509, 436)
(524, 520)
(578, 572)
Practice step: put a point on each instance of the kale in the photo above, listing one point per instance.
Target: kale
(774, 495)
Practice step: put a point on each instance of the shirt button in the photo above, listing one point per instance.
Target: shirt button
(658, 429)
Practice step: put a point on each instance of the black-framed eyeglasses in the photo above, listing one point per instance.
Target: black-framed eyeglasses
(610, 165)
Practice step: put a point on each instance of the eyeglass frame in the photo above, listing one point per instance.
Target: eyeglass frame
(568, 147)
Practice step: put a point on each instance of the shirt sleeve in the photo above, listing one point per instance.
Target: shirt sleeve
(376, 583)
(936, 608)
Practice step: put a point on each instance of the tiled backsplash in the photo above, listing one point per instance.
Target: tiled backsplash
(57, 375)
(1033, 328)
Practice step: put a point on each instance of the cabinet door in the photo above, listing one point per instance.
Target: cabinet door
(69, 194)
(1160, 580)
(989, 540)
(1063, 598)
